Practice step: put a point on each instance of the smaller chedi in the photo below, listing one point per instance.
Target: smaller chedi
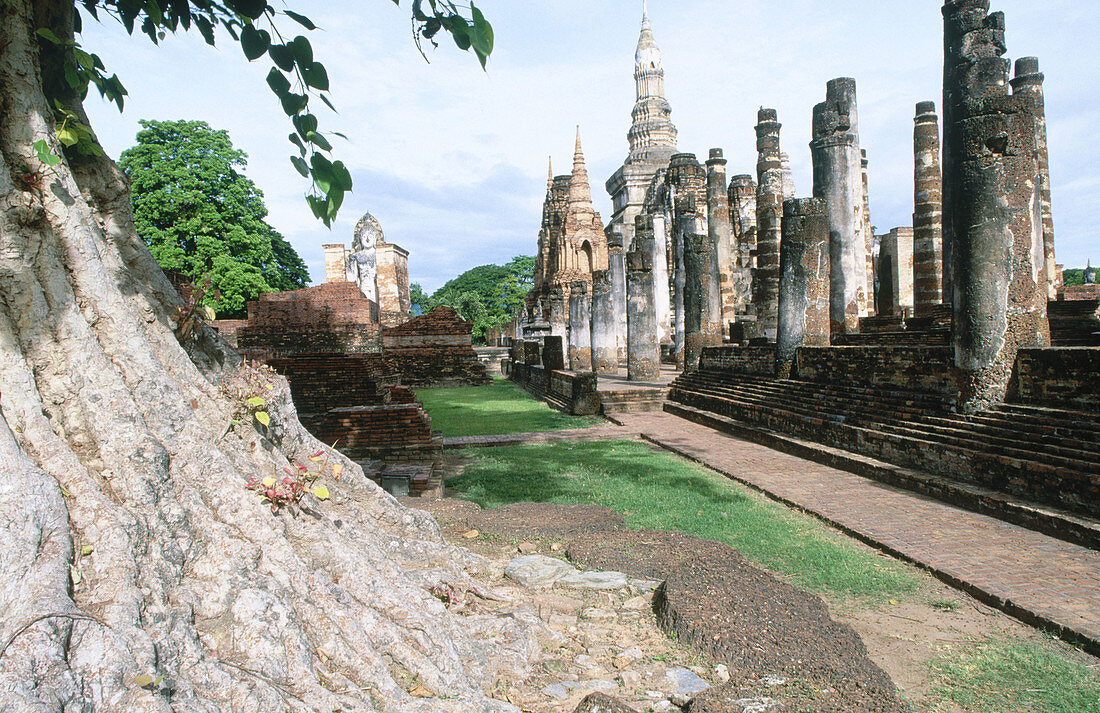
(378, 268)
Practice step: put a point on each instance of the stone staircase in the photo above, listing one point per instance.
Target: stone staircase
(1030, 464)
(1074, 323)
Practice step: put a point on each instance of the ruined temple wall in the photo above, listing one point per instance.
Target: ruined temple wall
(927, 211)
(896, 272)
(803, 280)
(769, 224)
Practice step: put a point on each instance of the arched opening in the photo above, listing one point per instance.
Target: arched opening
(585, 257)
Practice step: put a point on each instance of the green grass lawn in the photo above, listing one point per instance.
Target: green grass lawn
(1000, 675)
(661, 491)
(499, 407)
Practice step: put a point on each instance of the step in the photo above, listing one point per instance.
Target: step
(1007, 435)
(1055, 522)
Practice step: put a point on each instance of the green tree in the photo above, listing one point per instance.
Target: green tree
(124, 454)
(499, 291)
(200, 216)
(421, 302)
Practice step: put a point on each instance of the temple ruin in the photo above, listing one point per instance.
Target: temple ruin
(948, 345)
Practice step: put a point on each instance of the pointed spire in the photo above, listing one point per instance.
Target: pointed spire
(549, 173)
(647, 55)
(579, 189)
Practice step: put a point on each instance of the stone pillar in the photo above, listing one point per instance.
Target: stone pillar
(1028, 85)
(896, 272)
(616, 268)
(838, 181)
(868, 238)
(788, 175)
(605, 353)
(559, 313)
(995, 215)
(742, 208)
(927, 211)
(580, 327)
(769, 224)
(336, 256)
(683, 226)
(643, 359)
(702, 304)
(721, 234)
(662, 299)
(803, 281)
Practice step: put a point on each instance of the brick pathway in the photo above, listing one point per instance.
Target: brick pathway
(1032, 576)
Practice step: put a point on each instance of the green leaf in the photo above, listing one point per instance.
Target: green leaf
(67, 136)
(341, 176)
(327, 102)
(262, 417)
(316, 76)
(252, 9)
(41, 147)
(86, 550)
(300, 19)
(282, 57)
(304, 123)
(300, 166)
(302, 51)
(482, 34)
(293, 103)
(75, 574)
(278, 81)
(143, 681)
(321, 492)
(322, 172)
(319, 141)
(49, 159)
(47, 34)
(254, 42)
(256, 401)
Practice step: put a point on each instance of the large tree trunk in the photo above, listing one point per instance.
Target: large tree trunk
(131, 545)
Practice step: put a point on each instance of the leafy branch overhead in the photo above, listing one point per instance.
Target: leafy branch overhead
(296, 77)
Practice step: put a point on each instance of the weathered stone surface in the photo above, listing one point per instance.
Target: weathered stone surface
(769, 219)
(685, 682)
(1027, 84)
(702, 298)
(838, 181)
(594, 580)
(605, 328)
(927, 210)
(643, 350)
(538, 571)
(602, 703)
(553, 353)
(803, 281)
(993, 208)
(580, 326)
(896, 261)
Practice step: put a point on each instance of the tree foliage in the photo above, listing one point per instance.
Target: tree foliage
(488, 295)
(296, 76)
(200, 216)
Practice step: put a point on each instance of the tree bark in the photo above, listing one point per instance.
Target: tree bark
(132, 546)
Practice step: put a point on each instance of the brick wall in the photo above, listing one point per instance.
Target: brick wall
(758, 361)
(434, 349)
(928, 369)
(572, 392)
(333, 317)
(228, 329)
(1066, 377)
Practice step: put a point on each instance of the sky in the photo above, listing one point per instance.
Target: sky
(452, 160)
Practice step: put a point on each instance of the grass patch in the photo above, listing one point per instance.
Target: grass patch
(992, 676)
(660, 491)
(499, 407)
